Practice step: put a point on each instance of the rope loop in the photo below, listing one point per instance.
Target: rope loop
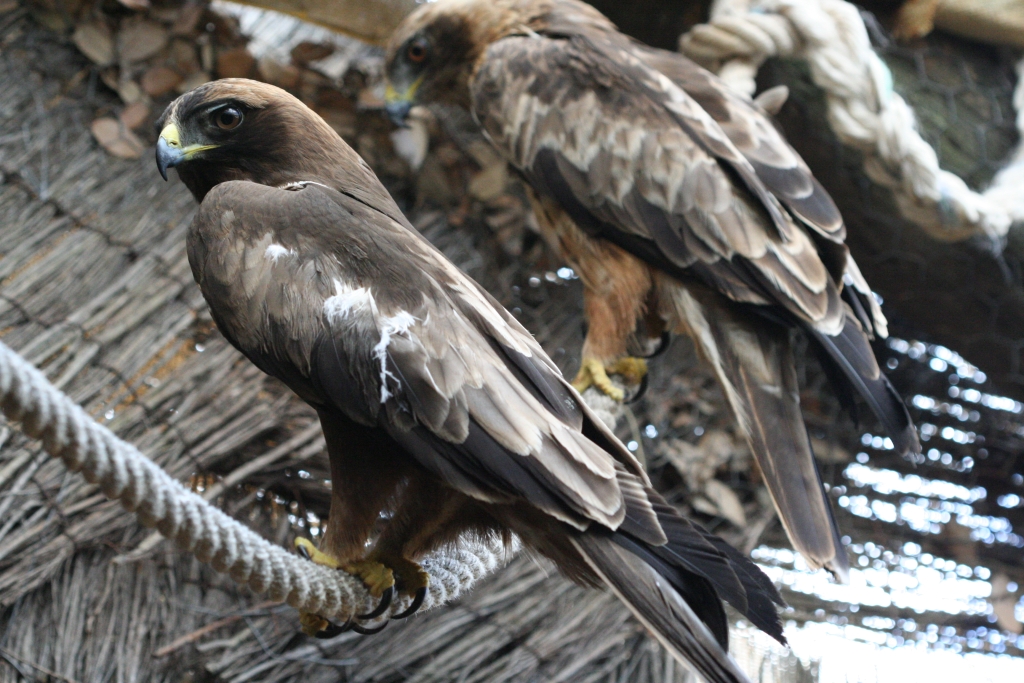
(230, 547)
(863, 110)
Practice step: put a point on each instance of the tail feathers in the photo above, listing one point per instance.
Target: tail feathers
(659, 607)
(702, 568)
(852, 353)
(688, 549)
(754, 362)
(762, 597)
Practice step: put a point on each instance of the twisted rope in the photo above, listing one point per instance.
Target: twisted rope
(863, 110)
(160, 501)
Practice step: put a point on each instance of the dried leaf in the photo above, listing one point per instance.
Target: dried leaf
(282, 75)
(160, 80)
(94, 41)
(115, 137)
(188, 19)
(703, 505)
(728, 504)
(139, 40)
(129, 91)
(182, 57)
(134, 115)
(235, 63)
(306, 52)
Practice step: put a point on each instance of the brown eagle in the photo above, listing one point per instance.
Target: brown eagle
(438, 408)
(680, 206)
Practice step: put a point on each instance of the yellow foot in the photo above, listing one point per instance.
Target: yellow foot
(314, 624)
(384, 576)
(633, 370)
(376, 577)
(409, 576)
(595, 373)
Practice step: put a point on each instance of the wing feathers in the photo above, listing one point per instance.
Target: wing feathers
(753, 361)
(852, 354)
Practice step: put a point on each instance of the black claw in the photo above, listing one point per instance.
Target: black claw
(662, 346)
(385, 602)
(639, 392)
(333, 630)
(417, 602)
(369, 631)
(304, 551)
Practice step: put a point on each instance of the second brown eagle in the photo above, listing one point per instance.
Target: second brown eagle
(679, 205)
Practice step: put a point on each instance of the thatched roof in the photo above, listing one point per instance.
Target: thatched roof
(95, 289)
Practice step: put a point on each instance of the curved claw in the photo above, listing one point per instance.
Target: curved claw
(639, 392)
(333, 630)
(417, 602)
(666, 337)
(369, 631)
(303, 551)
(385, 602)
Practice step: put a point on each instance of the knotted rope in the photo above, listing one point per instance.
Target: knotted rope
(863, 110)
(160, 501)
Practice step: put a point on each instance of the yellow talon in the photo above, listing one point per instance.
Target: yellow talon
(376, 577)
(632, 369)
(594, 373)
(315, 554)
(409, 576)
(312, 624)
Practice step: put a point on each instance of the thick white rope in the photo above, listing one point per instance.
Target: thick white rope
(159, 500)
(863, 110)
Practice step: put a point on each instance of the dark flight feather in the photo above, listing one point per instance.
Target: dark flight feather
(660, 607)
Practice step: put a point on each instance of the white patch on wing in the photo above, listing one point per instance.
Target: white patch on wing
(276, 251)
(346, 300)
(351, 301)
(395, 325)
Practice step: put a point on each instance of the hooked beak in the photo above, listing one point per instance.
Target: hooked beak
(398, 112)
(398, 105)
(170, 153)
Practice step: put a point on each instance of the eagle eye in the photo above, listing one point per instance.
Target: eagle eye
(227, 118)
(417, 50)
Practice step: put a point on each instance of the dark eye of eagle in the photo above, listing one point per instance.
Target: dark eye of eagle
(227, 118)
(417, 50)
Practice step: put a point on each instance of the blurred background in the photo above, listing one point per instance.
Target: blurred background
(95, 289)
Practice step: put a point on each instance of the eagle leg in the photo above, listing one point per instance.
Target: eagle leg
(361, 487)
(428, 515)
(616, 289)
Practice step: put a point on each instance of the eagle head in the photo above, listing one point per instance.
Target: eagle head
(237, 129)
(434, 51)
